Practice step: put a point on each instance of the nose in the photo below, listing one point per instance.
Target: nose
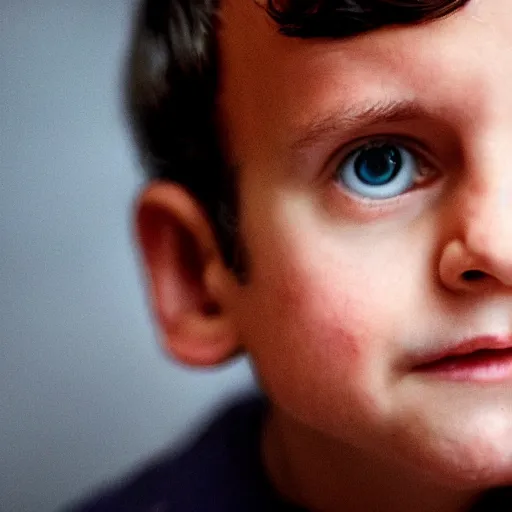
(478, 257)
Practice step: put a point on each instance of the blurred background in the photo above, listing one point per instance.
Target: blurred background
(85, 392)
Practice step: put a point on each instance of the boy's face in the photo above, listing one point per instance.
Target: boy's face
(356, 277)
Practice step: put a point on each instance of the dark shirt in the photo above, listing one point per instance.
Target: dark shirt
(221, 472)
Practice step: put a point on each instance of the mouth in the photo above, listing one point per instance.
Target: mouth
(482, 359)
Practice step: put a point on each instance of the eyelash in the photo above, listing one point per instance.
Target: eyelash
(426, 171)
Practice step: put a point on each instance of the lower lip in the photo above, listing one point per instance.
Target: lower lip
(480, 366)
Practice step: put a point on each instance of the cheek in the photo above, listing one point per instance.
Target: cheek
(324, 315)
(315, 334)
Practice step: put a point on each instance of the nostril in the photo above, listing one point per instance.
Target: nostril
(473, 275)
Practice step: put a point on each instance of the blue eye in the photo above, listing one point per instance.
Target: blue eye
(379, 170)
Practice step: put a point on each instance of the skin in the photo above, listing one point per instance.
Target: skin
(346, 294)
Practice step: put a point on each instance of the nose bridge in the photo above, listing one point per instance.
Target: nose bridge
(485, 201)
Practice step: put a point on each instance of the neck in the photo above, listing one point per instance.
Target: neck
(323, 475)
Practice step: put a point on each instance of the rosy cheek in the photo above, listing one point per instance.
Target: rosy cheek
(316, 355)
(319, 318)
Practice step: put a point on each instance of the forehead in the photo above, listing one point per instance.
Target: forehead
(273, 86)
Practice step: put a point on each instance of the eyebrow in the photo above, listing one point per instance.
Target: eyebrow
(356, 117)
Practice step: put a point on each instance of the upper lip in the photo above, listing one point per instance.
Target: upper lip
(466, 346)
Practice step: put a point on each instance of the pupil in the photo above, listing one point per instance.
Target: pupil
(378, 165)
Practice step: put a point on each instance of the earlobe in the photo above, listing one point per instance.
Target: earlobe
(188, 281)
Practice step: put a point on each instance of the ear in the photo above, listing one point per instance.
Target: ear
(188, 281)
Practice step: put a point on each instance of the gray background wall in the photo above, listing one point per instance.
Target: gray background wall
(84, 390)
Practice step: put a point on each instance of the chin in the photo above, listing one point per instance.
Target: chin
(473, 462)
(457, 434)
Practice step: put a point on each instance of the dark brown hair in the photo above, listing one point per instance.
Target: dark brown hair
(172, 85)
(335, 18)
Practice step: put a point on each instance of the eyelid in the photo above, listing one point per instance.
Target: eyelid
(415, 147)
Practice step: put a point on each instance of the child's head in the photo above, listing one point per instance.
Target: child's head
(335, 203)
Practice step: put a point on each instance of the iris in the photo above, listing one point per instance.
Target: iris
(378, 165)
